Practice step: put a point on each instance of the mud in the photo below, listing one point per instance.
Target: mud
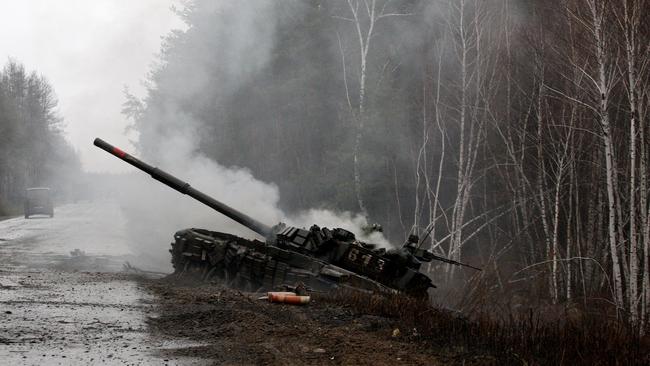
(236, 328)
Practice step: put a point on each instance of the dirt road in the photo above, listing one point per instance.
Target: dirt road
(62, 300)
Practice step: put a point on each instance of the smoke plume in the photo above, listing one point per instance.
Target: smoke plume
(154, 212)
(171, 134)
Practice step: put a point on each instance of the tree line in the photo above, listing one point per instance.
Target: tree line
(33, 151)
(514, 131)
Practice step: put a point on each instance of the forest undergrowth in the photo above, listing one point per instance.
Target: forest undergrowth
(534, 336)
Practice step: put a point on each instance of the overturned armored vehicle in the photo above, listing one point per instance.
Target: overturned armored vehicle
(320, 258)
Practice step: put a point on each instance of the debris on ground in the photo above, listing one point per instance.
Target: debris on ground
(286, 298)
(77, 253)
(128, 268)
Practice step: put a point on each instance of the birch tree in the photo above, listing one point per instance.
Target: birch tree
(466, 24)
(365, 16)
(629, 18)
(592, 16)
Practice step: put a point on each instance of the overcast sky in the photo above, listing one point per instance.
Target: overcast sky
(88, 50)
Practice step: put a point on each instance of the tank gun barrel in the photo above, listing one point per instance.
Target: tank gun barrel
(430, 256)
(185, 188)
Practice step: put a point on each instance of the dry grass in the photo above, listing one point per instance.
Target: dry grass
(509, 338)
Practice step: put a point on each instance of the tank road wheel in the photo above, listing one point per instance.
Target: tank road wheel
(197, 270)
(201, 271)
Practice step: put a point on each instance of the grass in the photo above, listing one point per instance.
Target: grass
(524, 339)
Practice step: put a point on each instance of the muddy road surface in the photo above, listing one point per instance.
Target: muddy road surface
(64, 299)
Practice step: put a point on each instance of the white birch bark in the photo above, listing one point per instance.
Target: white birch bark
(541, 190)
(468, 44)
(460, 178)
(629, 22)
(443, 139)
(364, 34)
(556, 226)
(603, 80)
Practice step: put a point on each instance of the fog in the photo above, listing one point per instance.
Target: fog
(89, 51)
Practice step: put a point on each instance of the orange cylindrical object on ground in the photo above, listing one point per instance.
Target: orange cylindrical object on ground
(269, 294)
(288, 299)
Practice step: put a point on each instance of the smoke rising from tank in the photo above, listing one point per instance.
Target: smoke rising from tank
(153, 211)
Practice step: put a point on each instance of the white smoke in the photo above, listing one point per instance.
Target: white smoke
(153, 211)
(346, 220)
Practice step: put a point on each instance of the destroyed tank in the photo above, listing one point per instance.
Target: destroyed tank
(321, 259)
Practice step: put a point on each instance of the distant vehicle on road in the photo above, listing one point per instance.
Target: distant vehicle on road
(38, 201)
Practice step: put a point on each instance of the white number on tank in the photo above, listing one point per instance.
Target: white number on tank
(366, 259)
(352, 254)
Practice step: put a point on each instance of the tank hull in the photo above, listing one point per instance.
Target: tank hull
(253, 265)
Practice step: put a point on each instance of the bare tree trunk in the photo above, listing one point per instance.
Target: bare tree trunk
(421, 164)
(556, 226)
(604, 83)
(443, 138)
(633, 261)
(645, 222)
(470, 127)
(541, 191)
(460, 178)
(365, 34)
(364, 43)
(630, 22)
